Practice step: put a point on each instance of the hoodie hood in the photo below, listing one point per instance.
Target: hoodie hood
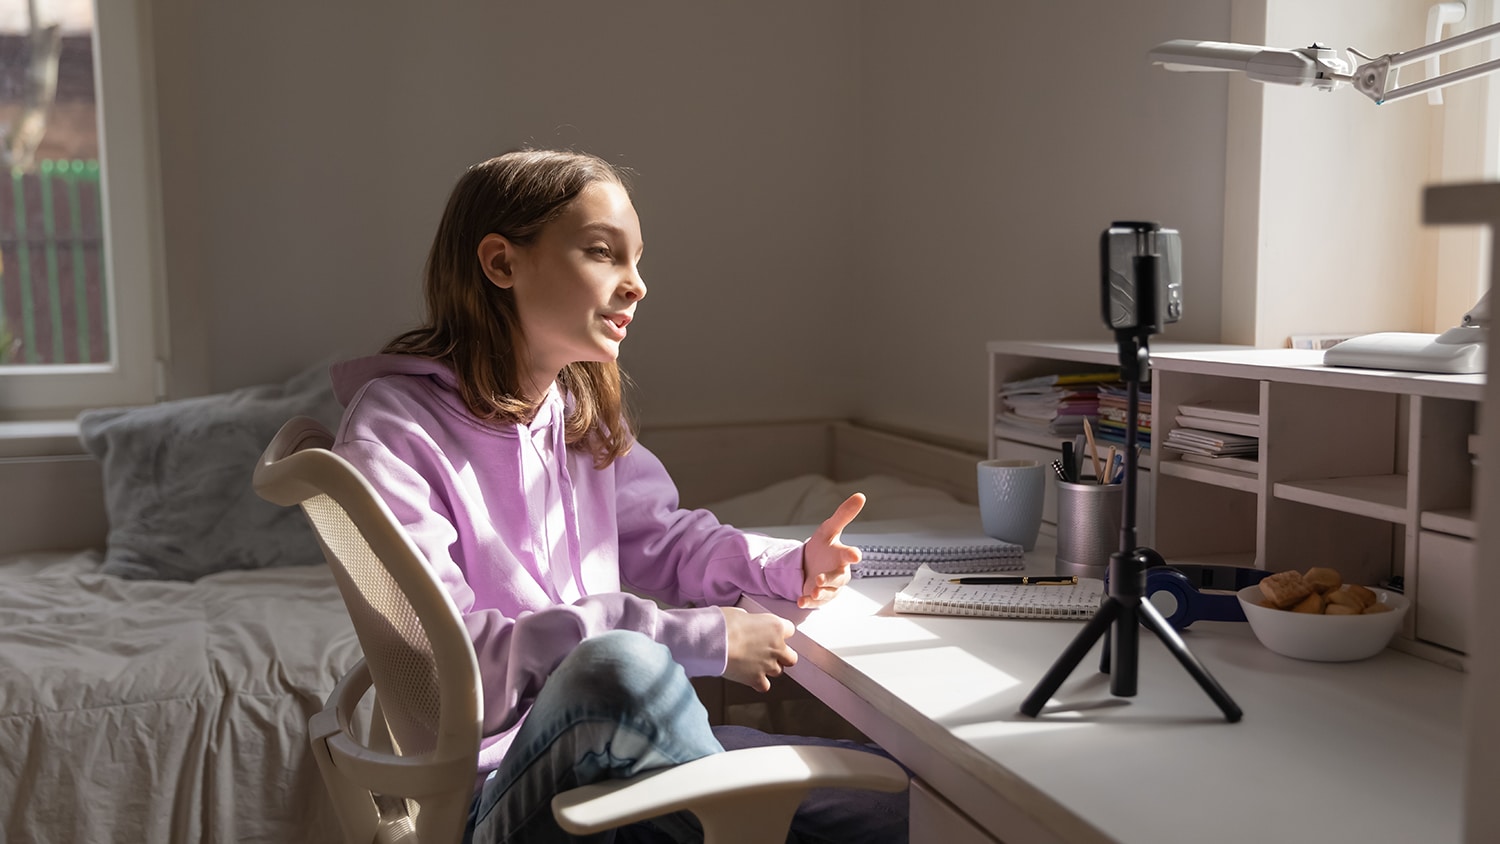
(349, 376)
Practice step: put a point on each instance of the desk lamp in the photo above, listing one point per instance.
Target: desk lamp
(1459, 349)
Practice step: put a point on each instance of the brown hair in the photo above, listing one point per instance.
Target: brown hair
(473, 326)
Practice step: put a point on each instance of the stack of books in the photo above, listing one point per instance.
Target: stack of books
(1221, 434)
(1114, 402)
(1053, 404)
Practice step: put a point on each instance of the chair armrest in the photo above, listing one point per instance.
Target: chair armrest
(736, 790)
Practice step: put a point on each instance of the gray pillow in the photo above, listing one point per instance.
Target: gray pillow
(177, 481)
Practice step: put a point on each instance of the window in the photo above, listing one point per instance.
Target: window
(79, 288)
(1467, 138)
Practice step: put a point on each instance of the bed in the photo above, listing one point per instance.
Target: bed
(175, 710)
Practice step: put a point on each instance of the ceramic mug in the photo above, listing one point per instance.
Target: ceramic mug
(1011, 494)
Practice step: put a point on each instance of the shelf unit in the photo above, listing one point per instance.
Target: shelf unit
(1015, 360)
(1367, 471)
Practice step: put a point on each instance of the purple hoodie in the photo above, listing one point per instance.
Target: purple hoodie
(533, 543)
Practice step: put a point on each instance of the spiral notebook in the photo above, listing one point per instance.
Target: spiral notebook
(950, 542)
(900, 554)
(930, 593)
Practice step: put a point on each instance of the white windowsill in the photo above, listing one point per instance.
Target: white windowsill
(40, 438)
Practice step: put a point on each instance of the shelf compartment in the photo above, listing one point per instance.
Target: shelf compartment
(1209, 475)
(1217, 520)
(1361, 547)
(1458, 522)
(1380, 497)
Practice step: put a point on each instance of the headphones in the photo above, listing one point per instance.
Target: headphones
(1174, 591)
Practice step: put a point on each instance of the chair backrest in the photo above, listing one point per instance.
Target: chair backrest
(419, 655)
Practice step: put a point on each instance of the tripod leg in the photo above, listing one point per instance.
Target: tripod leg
(1127, 648)
(1151, 618)
(1097, 626)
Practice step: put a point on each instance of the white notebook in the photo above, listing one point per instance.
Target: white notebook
(930, 593)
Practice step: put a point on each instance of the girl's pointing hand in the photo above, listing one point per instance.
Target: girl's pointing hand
(826, 559)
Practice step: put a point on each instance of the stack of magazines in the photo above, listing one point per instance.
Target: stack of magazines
(1053, 404)
(1222, 434)
(1114, 409)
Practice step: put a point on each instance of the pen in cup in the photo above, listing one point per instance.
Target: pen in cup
(1069, 463)
(1015, 580)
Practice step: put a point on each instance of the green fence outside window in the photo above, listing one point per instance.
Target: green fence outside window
(54, 306)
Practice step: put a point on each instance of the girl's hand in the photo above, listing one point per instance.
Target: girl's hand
(757, 647)
(826, 559)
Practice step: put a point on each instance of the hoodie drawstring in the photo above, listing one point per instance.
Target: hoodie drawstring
(549, 424)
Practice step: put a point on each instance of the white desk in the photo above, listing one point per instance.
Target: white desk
(1329, 752)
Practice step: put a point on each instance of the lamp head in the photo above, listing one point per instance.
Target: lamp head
(1316, 66)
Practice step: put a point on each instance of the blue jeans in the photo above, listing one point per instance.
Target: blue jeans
(620, 705)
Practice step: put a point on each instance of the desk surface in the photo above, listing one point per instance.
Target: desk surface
(1328, 752)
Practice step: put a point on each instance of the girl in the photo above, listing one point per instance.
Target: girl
(496, 434)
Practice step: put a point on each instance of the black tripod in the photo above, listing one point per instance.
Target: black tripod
(1124, 607)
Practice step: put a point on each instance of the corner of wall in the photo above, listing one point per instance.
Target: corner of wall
(1242, 202)
(1242, 171)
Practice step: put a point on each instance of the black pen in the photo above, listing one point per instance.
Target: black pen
(1016, 580)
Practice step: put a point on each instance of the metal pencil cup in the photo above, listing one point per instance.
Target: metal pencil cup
(1088, 527)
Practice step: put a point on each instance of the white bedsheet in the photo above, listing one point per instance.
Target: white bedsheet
(148, 711)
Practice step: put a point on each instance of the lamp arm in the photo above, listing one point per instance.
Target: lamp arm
(1375, 77)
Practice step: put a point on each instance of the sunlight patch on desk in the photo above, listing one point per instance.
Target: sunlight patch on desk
(849, 602)
(1020, 727)
(830, 625)
(924, 678)
(893, 631)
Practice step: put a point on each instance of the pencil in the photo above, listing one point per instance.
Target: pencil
(1088, 433)
(1015, 580)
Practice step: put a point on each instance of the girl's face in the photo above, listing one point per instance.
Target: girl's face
(576, 285)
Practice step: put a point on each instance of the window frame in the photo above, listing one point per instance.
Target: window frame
(130, 190)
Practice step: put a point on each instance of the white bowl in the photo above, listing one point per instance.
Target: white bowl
(1323, 638)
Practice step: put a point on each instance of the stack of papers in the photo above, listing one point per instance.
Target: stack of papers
(1195, 441)
(1053, 404)
(1216, 429)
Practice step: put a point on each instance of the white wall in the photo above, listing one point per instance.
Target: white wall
(842, 201)
(1325, 230)
(309, 148)
(1001, 140)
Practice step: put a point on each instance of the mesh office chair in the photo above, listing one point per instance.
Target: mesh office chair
(411, 775)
